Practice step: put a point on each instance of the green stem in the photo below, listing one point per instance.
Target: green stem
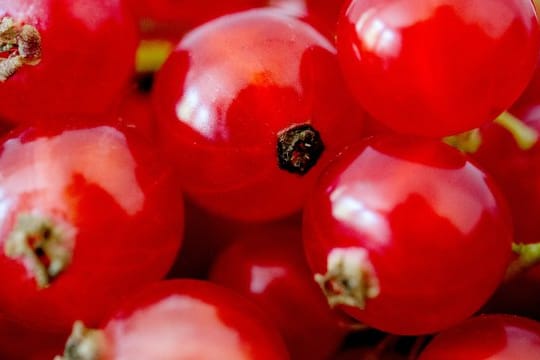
(467, 142)
(525, 136)
(528, 256)
(151, 55)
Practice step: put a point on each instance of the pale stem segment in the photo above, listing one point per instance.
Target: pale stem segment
(525, 136)
(528, 256)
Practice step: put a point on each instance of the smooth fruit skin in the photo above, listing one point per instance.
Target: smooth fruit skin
(114, 202)
(18, 342)
(267, 264)
(494, 337)
(87, 58)
(437, 68)
(515, 170)
(227, 92)
(321, 14)
(190, 319)
(432, 227)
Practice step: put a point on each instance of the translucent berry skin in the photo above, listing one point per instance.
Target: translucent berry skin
(487, 337)
(190, 319)
(87, 58)
(425, 218)
(321, 14)
(118, 200)
(227, 92)
(189, 14)
(268, 265)
(433, 68)
(516, 171)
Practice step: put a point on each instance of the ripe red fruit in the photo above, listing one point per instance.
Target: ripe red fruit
(268, 265)
(487, 337)
(407, 235)
(437, 68)
(181, 319)
(250, 107)
(63, 57)
(18, 342)
(321, 14)
(88, 215)
(188, 14)
(515, 169)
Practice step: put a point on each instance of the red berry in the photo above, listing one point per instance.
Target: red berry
(487, 337)
(63, 57)
(88, 215)
(407, 235)
(437, 68)
(267, 264)
(514, 166)
(181, 319)
(250, 107)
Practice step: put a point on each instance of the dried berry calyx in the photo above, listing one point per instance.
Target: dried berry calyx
(19, 45)
(83, 344)
(350, 278)
(43, 245)
(298, 148)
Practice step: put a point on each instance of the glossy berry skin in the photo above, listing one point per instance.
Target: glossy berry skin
(400, 226)
(268, 265)
(189, 319)
(89, 215)
(516, 171)
(497, 337)
(87, 52)
(188, 14)
(321, 14)
(231, 90)
(433, 68)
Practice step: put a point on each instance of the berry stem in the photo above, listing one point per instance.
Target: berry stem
(151, 54)
(467, 142)
(525, 136)
(528, 256)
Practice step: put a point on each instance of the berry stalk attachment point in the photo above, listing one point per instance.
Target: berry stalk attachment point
(298, 148)
(83, 344)
(528, 256)
(350, 278)
(45, 246)
(19, 45)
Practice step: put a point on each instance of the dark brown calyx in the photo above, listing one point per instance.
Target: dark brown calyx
(43, 245)
(298, 148)
(19, 45)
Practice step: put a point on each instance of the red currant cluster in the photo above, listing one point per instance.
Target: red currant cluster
(269, 180)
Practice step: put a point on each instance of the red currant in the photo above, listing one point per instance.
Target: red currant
(88, 215)
(181, 319)
(250, 107)
(267, 264)
(63, 57)
(512, 160)
(437, 68)
(487, 337)
(407, 235)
